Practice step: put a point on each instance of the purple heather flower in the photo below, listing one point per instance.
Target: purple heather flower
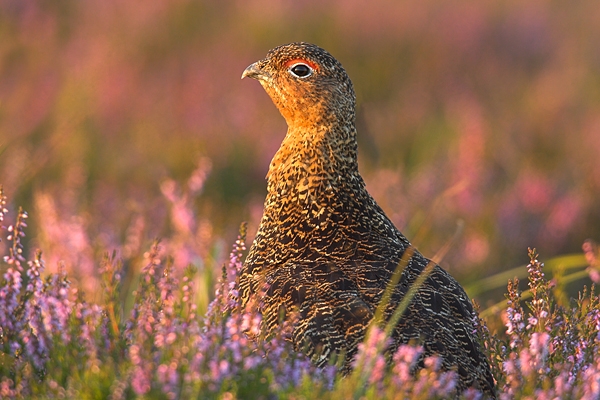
(531, 321)
(9, 301)
(168, 376)
(251, 362)
(218, 369)
(514, 323)
(35, 347)
(445, 384)
(472, 394)
(15, 257)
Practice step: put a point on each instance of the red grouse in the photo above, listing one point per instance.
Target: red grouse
(325, 248)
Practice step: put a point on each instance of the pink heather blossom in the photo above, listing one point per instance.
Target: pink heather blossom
(525, 362)
(378, 371)
(167, 351)
(510, 368)
(134, 354)
(405, 360)
(433, 362)
(6, 391)
(539, 349)
(369, 357)
(140, 381)
(591, 386)
(561, 384)
(66, 241)
(171, 337)
(594, 275)
(251, 324)
(159, 340)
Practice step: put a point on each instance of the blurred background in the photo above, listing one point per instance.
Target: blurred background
(126, 120)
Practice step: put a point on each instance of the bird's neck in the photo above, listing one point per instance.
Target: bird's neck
(314, 159)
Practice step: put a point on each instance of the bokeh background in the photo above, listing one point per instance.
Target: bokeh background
(126, 120)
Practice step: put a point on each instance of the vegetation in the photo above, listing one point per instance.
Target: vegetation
(56, 344)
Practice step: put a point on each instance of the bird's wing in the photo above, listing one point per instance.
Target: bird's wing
(333, 316)
(441, 318)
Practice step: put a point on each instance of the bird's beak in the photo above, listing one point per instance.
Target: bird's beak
(255, 72)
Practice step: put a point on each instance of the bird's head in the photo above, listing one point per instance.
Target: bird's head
(309, 87)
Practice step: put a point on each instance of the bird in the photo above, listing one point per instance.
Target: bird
(326, 249)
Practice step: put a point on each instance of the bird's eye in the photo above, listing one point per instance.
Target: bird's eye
(301, 70)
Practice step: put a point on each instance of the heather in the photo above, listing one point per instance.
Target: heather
(57, 344)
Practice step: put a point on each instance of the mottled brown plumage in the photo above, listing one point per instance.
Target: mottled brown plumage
(325, 248)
